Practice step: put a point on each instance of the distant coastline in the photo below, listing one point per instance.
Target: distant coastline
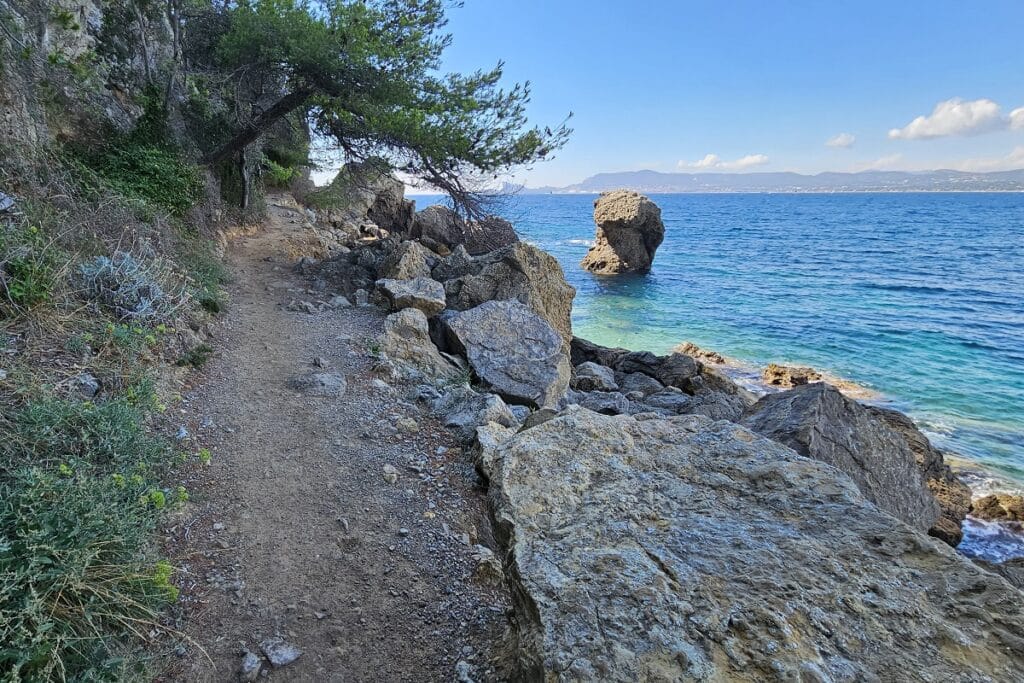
(655, 182)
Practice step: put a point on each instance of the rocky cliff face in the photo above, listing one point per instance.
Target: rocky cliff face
(686, 549)
(63, 76)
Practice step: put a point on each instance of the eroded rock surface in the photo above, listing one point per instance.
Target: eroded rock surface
(629, 230)
(1002, 507)
(512, 350)
(817, 421)
(689, 550)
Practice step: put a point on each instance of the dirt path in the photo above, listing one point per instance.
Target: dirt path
(293, 530)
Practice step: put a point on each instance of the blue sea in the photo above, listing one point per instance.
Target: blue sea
(916, 296)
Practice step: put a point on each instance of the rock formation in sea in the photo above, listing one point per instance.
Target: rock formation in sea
(629, 230)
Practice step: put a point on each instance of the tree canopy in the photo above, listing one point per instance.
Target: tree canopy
(367, 75)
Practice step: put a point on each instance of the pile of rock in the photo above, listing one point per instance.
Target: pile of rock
(660, 521)
(364, 202)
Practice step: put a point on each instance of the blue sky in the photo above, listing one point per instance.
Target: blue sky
(760, 86)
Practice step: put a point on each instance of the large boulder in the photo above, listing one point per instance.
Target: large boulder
(443, 226)
(629, 230)
(684, 549)
(817, 421)
(365, 191)
(953, 496)
(407, 261)
(521, 272)
(406, 341)
(422, 292)
(512, 350)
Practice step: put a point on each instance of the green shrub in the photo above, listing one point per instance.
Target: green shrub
(29, 268)
(151, 173)
(276, 174)
(102, 438)
(196, 357)
(79, 588)
(75, 587)
(206, 271)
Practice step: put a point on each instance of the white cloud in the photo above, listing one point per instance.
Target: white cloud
(1013, 160)
(1017, 118)
(841, 141)
(890, 162)
(713, 161)
(954, 117)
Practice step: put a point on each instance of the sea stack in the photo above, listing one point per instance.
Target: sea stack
(629, 230)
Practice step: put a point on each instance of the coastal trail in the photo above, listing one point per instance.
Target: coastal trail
(345, 526)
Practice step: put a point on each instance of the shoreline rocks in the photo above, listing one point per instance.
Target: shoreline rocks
(629, 231)
(952, 495)
(999, 507)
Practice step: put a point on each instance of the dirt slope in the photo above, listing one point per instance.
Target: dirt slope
(293, 530)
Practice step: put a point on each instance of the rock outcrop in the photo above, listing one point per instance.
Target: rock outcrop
(512, 350)
(629, 230)
(817, 421)
(788, 376)
(422, 292)
(684, 549)
(521, 272)
(953, 496)
(406, 340)
(365, 192)
(999, 507)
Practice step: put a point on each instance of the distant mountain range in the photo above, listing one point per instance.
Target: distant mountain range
(866, 181)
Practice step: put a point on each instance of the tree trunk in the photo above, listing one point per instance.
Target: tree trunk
(258, 125)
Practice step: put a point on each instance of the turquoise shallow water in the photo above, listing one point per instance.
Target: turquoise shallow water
(917, 296)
